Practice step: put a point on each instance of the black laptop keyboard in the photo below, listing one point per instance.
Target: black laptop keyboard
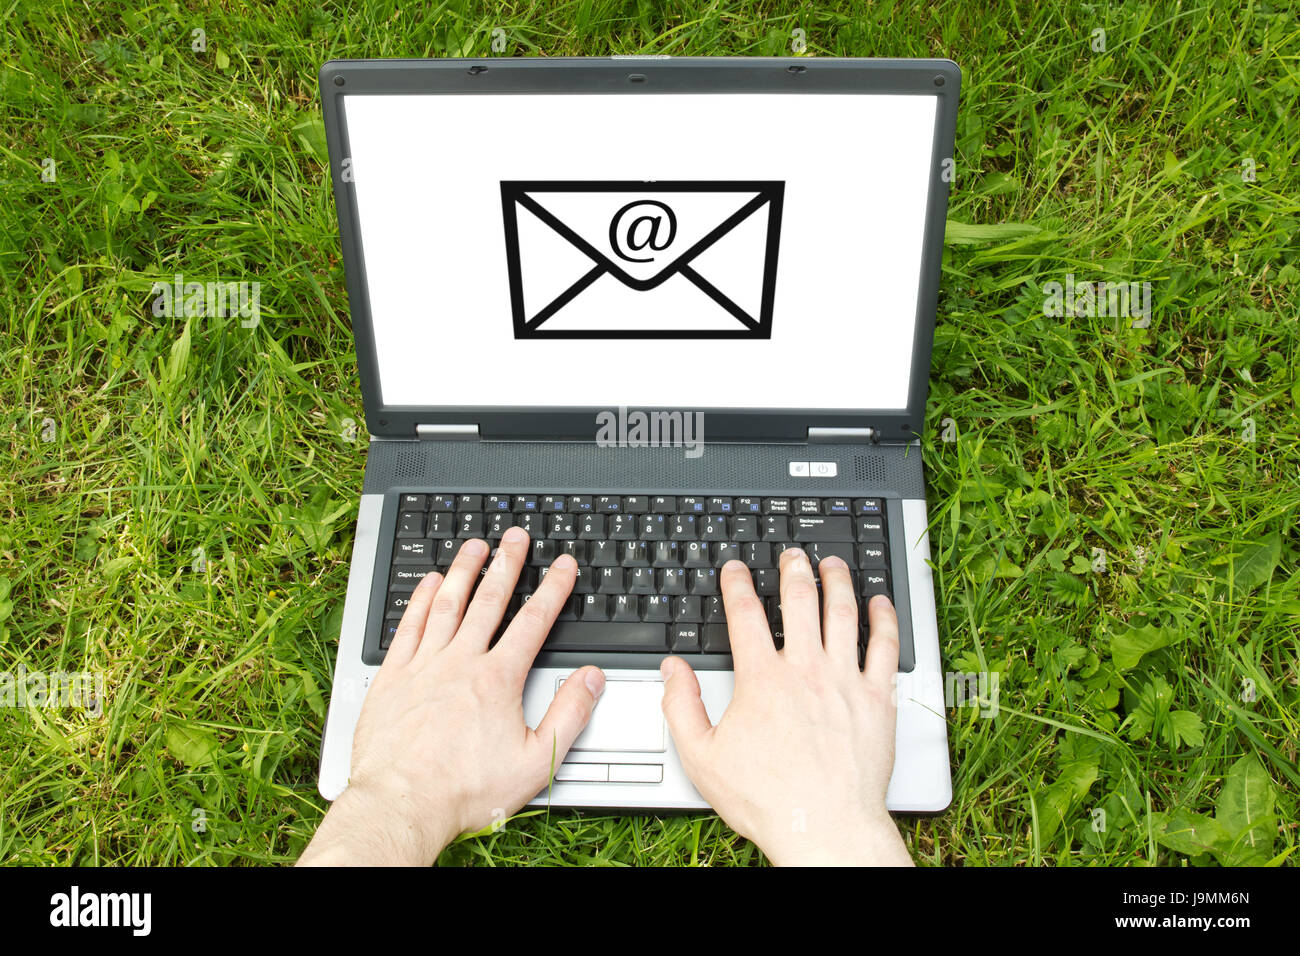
(648, 565)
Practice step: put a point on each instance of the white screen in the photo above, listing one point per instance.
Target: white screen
(853, 170)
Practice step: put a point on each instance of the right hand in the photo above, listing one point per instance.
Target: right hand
(802, 757)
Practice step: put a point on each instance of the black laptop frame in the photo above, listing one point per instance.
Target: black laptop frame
(633, 76)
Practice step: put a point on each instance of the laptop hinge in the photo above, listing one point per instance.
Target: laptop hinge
(447, 432)
(844, 436)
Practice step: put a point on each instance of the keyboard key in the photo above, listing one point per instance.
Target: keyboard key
(744, 528)
(591, 527)
(720, 506)
(686, 609)
(672, 581)
(657, 609)
(442, 503)
(544, 552)
(871, 556)
(695, 554)
(837, 506)
(775, 528)
(562, 527)
(776, 506)
(410, 524)
(683, 528)
(690, 504)
(635, 504)
(715, 639)
(663, 505)
(611, 581)
(624, 609)
(808, 506)
(822, 528)
(585, 636)
(704, 581)
(871, 529)
(685, 639)
(749, 506)
(419, 551)
(413, 502)
(469, 525)
(604, 554)
(579, 504)
(469, 502)
(641, 581)
(608, 504)
(406, 577)
(874, 582)
(866, 506)
(824, 549)
(553, 503)
(595, 607)
(496, 503)
(524, 503)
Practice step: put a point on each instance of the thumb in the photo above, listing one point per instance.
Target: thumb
(687, 719)
(569, 712)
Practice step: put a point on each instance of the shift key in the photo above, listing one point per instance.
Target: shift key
(822, 528)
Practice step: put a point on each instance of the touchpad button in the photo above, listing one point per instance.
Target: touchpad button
(628, 716)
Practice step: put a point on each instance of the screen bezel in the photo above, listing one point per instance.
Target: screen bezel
(632, 76)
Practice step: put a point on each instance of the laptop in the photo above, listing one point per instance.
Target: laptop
(660, 312)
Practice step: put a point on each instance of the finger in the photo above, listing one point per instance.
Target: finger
(532, 622)
(882, 648)
(688, 721)
(569, 712)
(407, 639)
(495, 589)
(839, 613)
(453, 594)
(747, 627)
(799, 617)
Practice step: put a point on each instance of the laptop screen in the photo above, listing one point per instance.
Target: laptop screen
(747, 250)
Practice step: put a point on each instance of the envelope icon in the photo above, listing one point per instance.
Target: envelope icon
(632, 259)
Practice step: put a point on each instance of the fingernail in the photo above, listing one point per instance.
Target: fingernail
(880, 601)
(564, 561)
(792, 554)
(514, 534)
(666, 667)
(474, 547)
(595, 681)
(430, 579)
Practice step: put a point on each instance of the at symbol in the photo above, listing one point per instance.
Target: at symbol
(633, 238)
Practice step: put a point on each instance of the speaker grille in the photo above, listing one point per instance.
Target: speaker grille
(868, 468)
(408, 465)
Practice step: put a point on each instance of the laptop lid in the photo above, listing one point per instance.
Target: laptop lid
(531, 242)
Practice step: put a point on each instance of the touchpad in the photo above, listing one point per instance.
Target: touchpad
(628, 716)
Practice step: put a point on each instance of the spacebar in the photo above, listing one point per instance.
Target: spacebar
(598, 636)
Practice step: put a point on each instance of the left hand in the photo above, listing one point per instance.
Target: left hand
(441, 746)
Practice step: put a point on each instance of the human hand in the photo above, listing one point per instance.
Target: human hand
(441, 746)
(801, 759)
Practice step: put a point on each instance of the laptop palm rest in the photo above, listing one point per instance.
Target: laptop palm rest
(628, 718)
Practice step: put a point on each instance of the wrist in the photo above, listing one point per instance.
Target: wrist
(871, 840)
(373, 824)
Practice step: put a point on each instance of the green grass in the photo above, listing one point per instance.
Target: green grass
(130, 441)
